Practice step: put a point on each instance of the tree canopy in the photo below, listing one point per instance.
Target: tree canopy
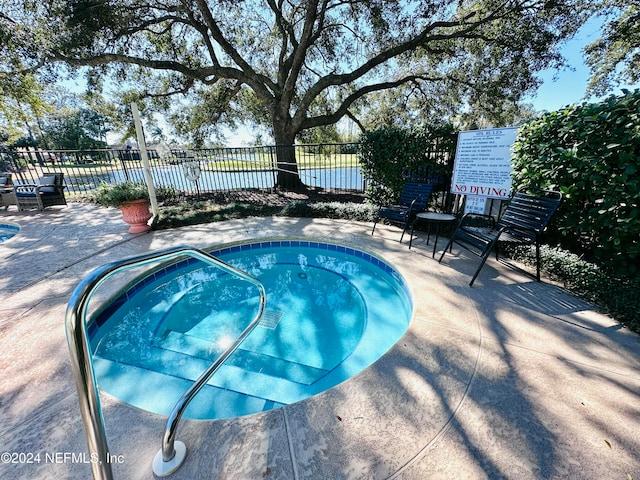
(614, 58)
(81, 129)
(21, 103)
(295, 65)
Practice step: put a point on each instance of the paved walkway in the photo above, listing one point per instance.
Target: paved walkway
(508, 379)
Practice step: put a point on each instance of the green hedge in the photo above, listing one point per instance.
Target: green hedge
(591, 153)
(193, 213)
(393, 155)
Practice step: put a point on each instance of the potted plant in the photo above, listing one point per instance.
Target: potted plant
(133, 201)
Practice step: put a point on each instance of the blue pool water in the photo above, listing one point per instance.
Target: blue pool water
(331, 311)
(7, 231)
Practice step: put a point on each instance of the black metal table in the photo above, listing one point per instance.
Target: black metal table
(431, 218)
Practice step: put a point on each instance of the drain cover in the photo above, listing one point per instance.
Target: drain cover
(270, 318)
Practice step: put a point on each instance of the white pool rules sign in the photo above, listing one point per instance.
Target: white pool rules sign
(482, 167)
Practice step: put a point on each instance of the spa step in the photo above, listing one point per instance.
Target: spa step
(185, 367)
(158, 392)
(243, 358)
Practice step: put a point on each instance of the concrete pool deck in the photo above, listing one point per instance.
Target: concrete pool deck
(508, 379)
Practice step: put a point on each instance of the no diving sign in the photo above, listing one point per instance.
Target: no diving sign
(483, 163)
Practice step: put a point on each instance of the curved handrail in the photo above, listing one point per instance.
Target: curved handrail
(82, 364)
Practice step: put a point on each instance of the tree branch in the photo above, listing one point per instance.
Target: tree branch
(309, 122)
(460, 29)
(262, 85)
(200, 74)
(288, 36)
(300, 52)
(355, 120)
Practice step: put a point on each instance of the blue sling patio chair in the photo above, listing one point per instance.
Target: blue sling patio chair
(413, 200)
(522, 222)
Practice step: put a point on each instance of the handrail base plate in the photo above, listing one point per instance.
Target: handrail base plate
(164, 469)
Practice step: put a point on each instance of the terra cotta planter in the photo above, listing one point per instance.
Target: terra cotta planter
(137, 214)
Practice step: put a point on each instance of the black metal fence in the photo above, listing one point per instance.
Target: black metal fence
(328, 166)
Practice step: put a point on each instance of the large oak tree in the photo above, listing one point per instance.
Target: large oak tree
(297, 64)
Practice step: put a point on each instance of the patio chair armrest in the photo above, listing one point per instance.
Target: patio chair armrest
(411, 206)
(26, 188)
(51, 187)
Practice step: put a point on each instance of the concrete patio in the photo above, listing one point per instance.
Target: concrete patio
(508, 379)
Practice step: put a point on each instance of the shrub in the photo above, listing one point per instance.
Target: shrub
(167, 194)
(591, 153)
(119, 194)
(348, 211)
(194, 213)
(205, 211)
(390, 156)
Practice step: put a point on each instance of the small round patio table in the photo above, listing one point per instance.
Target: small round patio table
(432, 218)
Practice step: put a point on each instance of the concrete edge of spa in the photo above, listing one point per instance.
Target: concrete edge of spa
(510, 378)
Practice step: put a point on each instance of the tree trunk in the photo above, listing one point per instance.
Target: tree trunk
(287, 174)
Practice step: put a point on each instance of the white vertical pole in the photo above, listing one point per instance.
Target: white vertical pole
(145, 161)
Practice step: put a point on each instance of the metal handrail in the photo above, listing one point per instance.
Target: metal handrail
(82, 364)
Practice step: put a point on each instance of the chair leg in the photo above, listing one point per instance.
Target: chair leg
(475, 275)
(413, 226)
(537, 260)
(449, 246)
(484, 256)
(375, 222)
(404, 229)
